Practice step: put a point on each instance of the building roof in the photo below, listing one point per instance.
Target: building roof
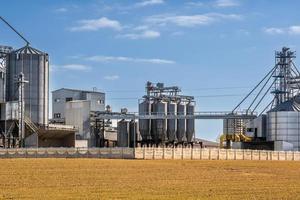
(77, 90)
(29, 50)
(290, 105)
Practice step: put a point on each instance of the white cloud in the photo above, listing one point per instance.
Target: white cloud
(61, 10)
(149, 3)
(226, 3)
(195, 3)
(148, 34)
(96, 24)
(191, 20)
(73, 67)
(292, 30)
(274, 31)
(295, 30)
(129, 59)
(111, 77)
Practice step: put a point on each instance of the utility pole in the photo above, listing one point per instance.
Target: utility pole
(21, 109)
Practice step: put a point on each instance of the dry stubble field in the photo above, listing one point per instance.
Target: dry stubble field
(148, 179)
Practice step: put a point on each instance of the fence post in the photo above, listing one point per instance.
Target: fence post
(209, 154)
(200, 153)
(293, 155)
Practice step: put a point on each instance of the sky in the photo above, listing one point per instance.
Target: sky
(215, 50)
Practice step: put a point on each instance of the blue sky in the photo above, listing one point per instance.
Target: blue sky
(215, 50)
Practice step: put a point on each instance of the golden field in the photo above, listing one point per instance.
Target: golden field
(148, 179)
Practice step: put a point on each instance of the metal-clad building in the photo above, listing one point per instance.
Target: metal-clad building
(61, 96)
(35, 66)
(77, 114)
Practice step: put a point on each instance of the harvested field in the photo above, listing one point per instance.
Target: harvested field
(148, 179)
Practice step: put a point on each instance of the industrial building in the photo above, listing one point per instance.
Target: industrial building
(62, 96)
(165, 117)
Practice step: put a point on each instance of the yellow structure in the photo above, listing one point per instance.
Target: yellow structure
(238, 137)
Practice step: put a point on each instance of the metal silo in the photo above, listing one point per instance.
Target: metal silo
(144, 124)
(35, 66)
(159, 126)
(4, 51)
(181, 123)
(122, 135)
(172, 123)
(133, 133)
(284, 126)
(190, 123)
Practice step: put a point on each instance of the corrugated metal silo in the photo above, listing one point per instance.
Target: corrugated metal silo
(159, 126)
(122, 135)
(181, 123)
(284, 126)
(35, 66)
(190, 123)
(172, 123)
(133, 133)
(144, 124)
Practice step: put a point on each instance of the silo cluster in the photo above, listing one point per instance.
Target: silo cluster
(172, 119)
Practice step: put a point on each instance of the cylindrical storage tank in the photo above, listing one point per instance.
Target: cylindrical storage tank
(190, 123)
(133, 133)
(144, 124)
(122, 134)
(172, 123)
(4, 50)
(181, 123)
(284, 126)
(35, 66)
(159, 126)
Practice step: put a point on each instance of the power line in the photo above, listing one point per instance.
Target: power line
(202, 96)
(196, 89)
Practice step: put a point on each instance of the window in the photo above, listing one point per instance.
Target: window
(69, 99)
(100, 101)
(57, 100)
(57, 115)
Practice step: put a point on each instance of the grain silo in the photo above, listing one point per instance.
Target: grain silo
(35, 66)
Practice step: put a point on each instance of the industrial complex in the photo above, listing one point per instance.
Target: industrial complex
(165, 117)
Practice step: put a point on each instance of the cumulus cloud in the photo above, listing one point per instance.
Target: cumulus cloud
(96, 24)
(111, 77)
(147, 34)
(226, 3)
(149, 3)
(129, 59)
(292, 30)
(191, 20)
